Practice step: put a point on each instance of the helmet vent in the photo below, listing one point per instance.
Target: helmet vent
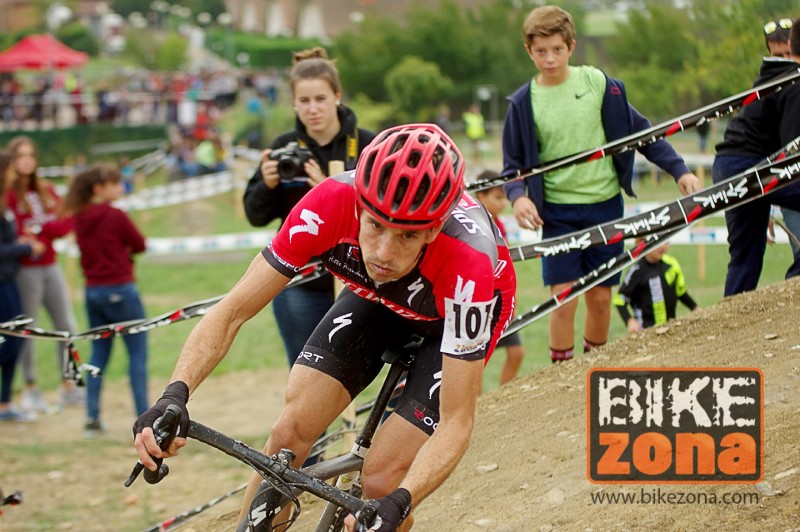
(442, 195)
(422, 191)
(400, 192)
(385, 180)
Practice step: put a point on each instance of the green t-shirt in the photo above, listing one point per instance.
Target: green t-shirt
(568, 121)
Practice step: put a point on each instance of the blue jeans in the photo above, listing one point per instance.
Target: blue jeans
(747, 225)
(112, 304)
(297, 311)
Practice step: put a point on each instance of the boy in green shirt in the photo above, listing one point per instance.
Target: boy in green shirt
(576, 109)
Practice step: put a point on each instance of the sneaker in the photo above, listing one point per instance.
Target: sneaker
(33, 401)
(93, 428)
(13, 414)
(72, 397)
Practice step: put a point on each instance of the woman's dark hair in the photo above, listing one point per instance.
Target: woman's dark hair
(81, 190)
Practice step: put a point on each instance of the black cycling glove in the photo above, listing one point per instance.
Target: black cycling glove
(393, 509)
(177, 393)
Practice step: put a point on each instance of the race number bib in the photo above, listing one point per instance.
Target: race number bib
(467, 326)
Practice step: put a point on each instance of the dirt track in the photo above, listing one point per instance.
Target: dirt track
(525, 469)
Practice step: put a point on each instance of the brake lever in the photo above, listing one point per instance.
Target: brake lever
(165, 429)
(367, 516)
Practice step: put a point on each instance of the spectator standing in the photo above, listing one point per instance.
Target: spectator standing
(474, 128)
(652, 288)
(108, 240)
(328, 129)
(757, 131)
(776, 37)
(37, 210)
(495, 201)
(576, 108)
(11, 250)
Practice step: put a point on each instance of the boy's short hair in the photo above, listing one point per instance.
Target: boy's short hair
(794, 39)
(546, 21)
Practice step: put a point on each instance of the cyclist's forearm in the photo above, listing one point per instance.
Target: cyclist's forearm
(437, 459)
(212, 337)
(461, 386)
(205, 347)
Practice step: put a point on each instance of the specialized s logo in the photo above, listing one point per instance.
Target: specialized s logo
(311, 226)
(438, 378)
(341, 322)
(415, 289)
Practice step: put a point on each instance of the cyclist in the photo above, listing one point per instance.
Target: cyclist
(419, 257)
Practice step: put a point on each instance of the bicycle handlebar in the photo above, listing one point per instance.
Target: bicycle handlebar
(166, 427)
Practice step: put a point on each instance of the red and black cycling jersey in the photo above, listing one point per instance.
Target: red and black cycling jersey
(465, 277)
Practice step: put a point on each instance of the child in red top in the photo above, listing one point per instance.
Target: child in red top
(108, 240)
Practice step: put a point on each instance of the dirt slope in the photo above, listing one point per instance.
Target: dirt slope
(525, 468)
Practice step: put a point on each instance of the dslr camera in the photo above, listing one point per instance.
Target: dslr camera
(291, 159)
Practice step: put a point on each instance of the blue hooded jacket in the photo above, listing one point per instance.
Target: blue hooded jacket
(620, 119)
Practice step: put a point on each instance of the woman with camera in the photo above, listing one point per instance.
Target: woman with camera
(325, 141)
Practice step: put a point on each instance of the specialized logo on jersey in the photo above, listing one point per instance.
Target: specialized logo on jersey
(468, 202)
(415, 288)
(311, 226)
(501, 265)
(438, 378)
(468, 324)
(341, 322)
(467, 223)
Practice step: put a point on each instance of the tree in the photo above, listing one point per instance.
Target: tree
(416, 87)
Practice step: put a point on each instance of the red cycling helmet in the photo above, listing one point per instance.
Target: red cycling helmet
(410, 177)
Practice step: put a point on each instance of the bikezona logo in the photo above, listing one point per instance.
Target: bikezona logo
(675, 425)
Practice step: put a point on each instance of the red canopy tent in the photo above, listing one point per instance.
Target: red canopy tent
(40, 52)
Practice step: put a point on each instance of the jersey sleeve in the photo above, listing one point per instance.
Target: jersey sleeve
(312, 227)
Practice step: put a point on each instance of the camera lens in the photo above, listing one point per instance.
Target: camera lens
(288, 167)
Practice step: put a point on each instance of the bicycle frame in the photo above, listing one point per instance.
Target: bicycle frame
(311, 479)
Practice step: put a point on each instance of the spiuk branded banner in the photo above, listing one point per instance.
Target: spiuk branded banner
(675, 425)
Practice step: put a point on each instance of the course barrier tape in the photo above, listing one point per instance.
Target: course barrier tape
(742, 188)
(590, 280)
(20, 326)
(655, 239)
(650, 135)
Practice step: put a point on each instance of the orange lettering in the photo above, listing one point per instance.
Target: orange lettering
(685, 444)
(609, 463)
(652, 453)
(739, 456)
